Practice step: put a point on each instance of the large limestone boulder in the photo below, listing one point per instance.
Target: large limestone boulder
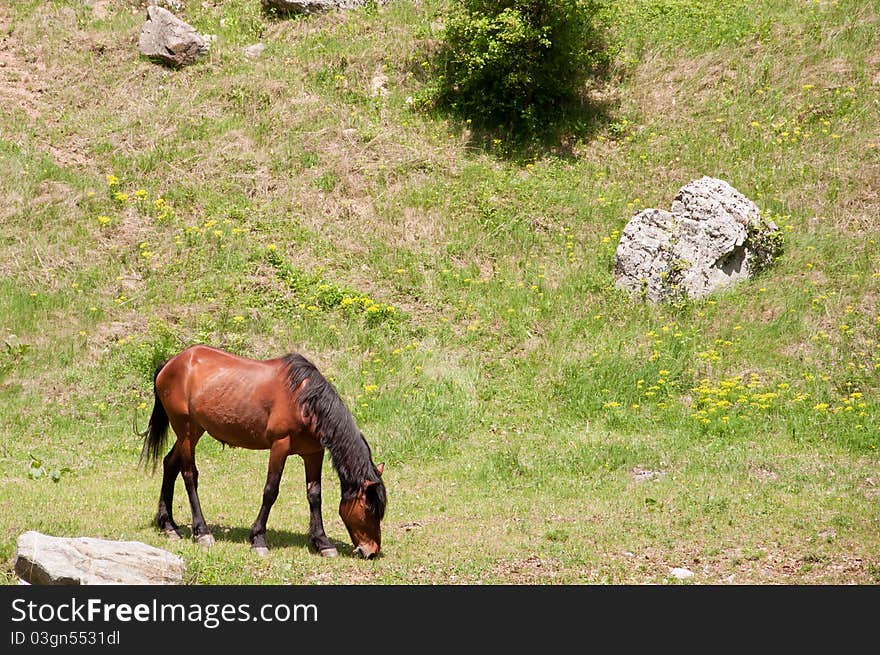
(167, 39)
(45, 560)
(713, 237)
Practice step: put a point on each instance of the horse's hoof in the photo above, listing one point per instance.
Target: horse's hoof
(262, 551)
(171, 535)
(329, 552)
(205, 540)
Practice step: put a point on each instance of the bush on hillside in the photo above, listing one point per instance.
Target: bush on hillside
(516, 64)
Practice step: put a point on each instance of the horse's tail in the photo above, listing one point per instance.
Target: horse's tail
(157, 430)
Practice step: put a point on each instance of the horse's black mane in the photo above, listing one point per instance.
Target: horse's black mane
(337, 431)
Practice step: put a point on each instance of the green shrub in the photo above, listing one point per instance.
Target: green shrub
(516, 64)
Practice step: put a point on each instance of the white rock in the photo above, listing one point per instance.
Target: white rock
(45, 560)
(379, 85)
(167, 39)
(713, 237)
(680, 573)
(255, 50)
(312, 6)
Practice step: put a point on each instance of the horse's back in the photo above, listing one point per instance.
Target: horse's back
(235, 399)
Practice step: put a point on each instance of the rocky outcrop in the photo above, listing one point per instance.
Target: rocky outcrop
(713, 237)
(44, 560)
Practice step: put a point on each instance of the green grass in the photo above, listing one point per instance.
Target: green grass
(538, 425)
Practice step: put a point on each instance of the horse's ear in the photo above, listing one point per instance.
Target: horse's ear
(380, 467)
(369, 483)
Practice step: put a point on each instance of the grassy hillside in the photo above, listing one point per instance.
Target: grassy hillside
(538, 426)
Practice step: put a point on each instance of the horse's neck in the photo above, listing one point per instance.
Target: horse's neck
(351, 458)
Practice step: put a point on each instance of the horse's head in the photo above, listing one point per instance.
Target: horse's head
(362, 513)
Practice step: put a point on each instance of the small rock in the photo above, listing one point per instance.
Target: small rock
(311, 6)
(255, 50)
(379, 85)
(169, 40)
(641, 475)
(681, 574)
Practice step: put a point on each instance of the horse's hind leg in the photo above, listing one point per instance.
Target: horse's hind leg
(317, 536)
(164, 519)
(277, 457)
(188, 435)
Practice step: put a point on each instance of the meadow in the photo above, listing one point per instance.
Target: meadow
(538, 425)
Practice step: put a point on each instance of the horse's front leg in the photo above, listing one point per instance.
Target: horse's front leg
(277, 457)
(317, 537)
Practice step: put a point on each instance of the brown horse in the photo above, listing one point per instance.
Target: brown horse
(281, 405)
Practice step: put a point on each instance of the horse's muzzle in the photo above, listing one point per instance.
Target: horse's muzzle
(363, 553)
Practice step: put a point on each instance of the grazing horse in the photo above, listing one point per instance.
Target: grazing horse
(281, 405)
